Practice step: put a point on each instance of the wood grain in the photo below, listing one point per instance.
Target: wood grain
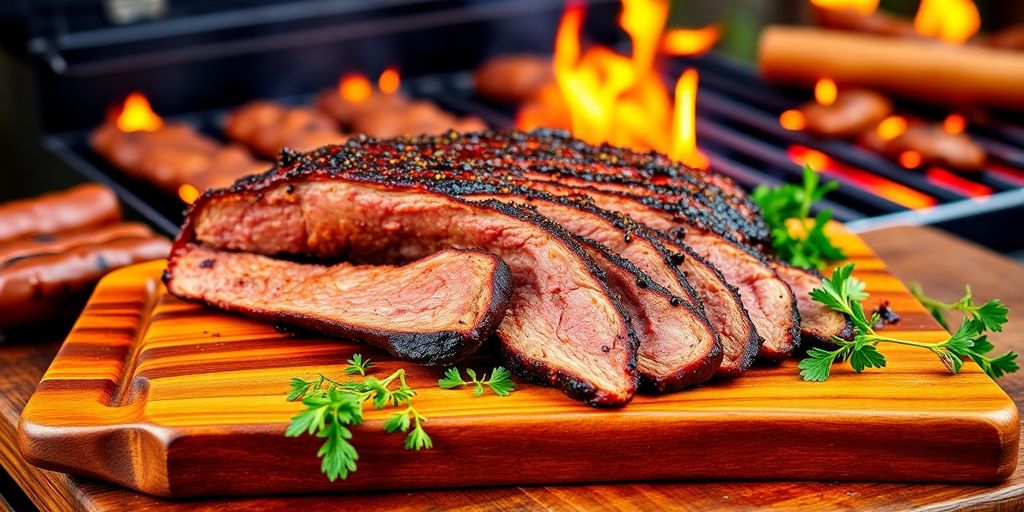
(93, 495)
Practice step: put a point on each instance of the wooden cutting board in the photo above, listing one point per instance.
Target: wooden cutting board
(175, 399)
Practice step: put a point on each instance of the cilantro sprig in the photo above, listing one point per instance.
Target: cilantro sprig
(809, 247)
(844, 293)
(500, 381)
(333, 407)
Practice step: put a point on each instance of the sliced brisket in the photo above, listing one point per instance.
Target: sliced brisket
(563, 326)
(818, 323)
(433, 311)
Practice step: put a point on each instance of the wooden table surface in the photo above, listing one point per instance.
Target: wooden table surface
(940, 262)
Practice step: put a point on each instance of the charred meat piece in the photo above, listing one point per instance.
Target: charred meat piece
(818, 323)
(679, 348)
(433, 311)
(563, 326)
(53, 243)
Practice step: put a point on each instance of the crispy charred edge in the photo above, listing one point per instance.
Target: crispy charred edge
(693, 375)
(401, 155)
(446, 347)
(815, 339)
(286, 171)
(754, 340)
(637, 168)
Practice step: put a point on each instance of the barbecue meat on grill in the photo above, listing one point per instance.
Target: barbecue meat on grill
(433, 311)
(562, 327)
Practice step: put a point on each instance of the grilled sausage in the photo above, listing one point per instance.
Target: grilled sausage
(77, 207)
(36, 287)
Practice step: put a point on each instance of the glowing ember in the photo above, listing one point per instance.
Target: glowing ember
(690, 41)
(684, 142)
(892, 127)
(910, 159)
(825, 91)
(792, 120)
(355, 88)
(864, 7)
(954, 124)
(967, 187)
(891, 190)
(188, 193)
(137, 115)
(389, 81)
(953, 21)
(604, 96)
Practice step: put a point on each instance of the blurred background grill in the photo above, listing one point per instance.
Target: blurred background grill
(67, 62)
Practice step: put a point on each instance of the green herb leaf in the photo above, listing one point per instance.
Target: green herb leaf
(844, 293)
(500, 381)
(357, 366)
(779, 204)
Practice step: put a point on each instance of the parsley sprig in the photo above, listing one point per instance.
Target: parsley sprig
(500, 381)
(332, 407)
(844, 293)
(808, 247)
(992, 313)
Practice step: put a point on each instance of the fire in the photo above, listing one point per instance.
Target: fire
(684, 144)
(884, 187)
(825, 91)
(954, 124)
(389, 81)
(793, 120)
(953, 21)
(610, 97)
(355, 88)
(891, 127)
(690, 41)
(188, 193)
(864, 7)
(137, 115)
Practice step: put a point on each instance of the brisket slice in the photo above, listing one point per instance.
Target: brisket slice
(433, 311)
(563, 327)
(723, 307)
(770, 303)
(818, 322)
(678, 346)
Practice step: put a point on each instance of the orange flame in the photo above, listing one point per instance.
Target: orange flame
(389, 81)
(793, 120)
(137, 115)
(825, 91)
(953, 21)
(609, 97)
(891, 127)
(188, 193)
(355, 88)
(954, 124)
(863, 7)
(684, 133)
(690, 41)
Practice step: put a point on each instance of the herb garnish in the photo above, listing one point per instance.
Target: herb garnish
(332, 407)
(992, 313)
(844, 293)
(500, 381)
(809, 248)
